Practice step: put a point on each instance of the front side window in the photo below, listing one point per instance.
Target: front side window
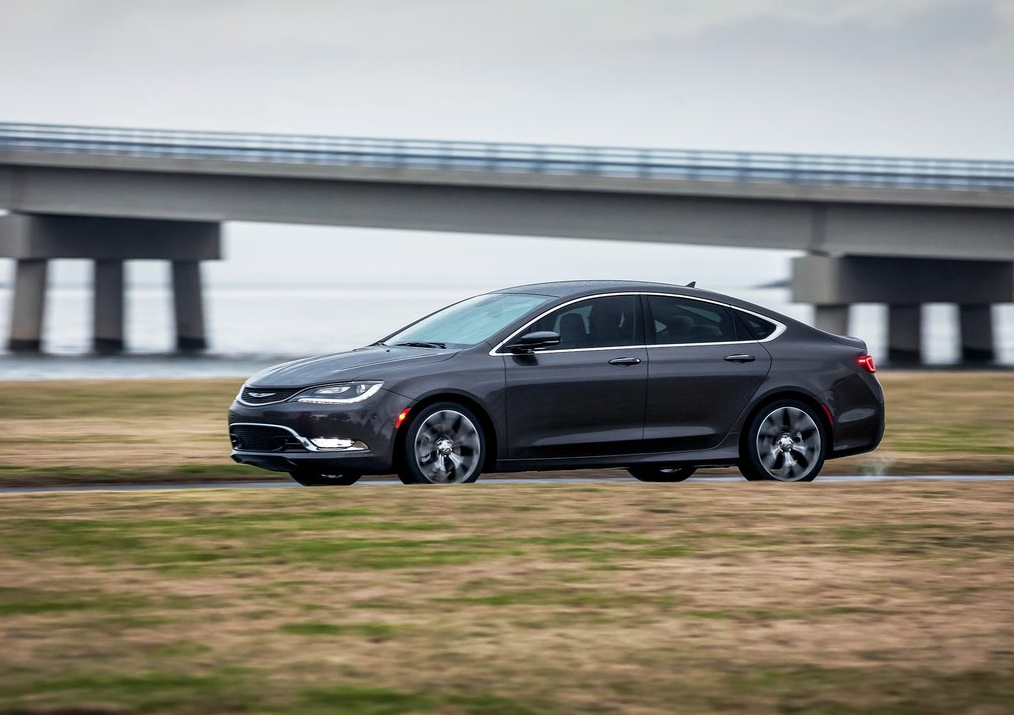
(469, 322)
(594, 323)
(676, 321)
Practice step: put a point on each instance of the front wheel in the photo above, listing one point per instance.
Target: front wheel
(444, 444)
(320, 479)
(785, 442)
(649, 473)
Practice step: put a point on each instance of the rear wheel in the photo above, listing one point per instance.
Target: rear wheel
(649, 473)
(785, 442)
(444, 444)
(324, 479)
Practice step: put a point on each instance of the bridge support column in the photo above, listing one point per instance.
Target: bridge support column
(108, 298)
(977, 344)
(832, 283)
(904, 334)
(832, 318)
(35, 239)
(29, 306)
(188, 306)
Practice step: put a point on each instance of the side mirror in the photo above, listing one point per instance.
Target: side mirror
(531, 341)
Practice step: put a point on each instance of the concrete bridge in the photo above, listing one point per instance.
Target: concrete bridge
(897, 231)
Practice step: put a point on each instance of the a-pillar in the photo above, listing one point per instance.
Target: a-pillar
(904, 334)
(107, 336)
(977, 344)
(188, 305)
(832, 318)
(28, 307)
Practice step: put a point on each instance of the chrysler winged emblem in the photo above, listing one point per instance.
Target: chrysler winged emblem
(259, 395)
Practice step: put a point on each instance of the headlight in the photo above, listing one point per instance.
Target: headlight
(343, 394)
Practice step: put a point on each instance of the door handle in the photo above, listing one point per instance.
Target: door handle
(739, 358)
(625, 361)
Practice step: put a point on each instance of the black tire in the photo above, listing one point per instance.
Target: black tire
(321, 479)
(786, 442)
(651, 473)
(444, 444)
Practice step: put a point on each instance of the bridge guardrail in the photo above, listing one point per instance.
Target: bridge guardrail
(560, 159)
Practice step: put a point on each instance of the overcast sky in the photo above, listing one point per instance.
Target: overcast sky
(896, 77)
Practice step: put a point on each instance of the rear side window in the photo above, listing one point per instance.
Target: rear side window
(676, 321)
(758, 327)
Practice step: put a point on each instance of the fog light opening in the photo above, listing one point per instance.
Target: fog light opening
(331, 443)
(339, 444)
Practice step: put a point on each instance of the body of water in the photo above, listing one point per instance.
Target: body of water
(252, 326)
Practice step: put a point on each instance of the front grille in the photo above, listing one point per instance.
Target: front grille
(263, 438)
(267, 395)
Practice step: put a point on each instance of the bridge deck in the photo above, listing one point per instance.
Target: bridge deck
(512, 158)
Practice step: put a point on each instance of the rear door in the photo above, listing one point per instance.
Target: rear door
(703, 370)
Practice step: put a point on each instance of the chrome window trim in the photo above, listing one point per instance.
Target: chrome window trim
(310, 446)
(779, 326)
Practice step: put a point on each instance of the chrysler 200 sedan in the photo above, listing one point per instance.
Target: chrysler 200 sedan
(660, 380)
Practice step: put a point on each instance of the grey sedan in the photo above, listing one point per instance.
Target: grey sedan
(661, 380)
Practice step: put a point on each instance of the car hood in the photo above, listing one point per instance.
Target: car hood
(370, 363)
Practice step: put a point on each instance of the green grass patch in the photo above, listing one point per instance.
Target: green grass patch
(567, 597)
(710, 615)
(214, 692)
(374, 630)
(57, 475)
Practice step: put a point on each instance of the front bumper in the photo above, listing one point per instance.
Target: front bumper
(285, 436)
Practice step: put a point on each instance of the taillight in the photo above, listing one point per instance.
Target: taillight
(866, 362)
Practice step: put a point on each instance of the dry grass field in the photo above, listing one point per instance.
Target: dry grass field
(170, 430)
(497, 599)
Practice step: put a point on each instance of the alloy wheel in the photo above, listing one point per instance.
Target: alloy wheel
(788, 444)
(447, 447)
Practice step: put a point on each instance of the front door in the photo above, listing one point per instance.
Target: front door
(586, 396)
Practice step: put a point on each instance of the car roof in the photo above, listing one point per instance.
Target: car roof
(578, 289)
(574, 289)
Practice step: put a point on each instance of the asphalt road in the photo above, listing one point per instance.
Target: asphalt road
(524, 480)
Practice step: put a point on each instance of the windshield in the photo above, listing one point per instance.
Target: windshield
(469, 322)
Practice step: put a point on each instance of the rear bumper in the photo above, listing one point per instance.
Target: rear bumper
(857, 408)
